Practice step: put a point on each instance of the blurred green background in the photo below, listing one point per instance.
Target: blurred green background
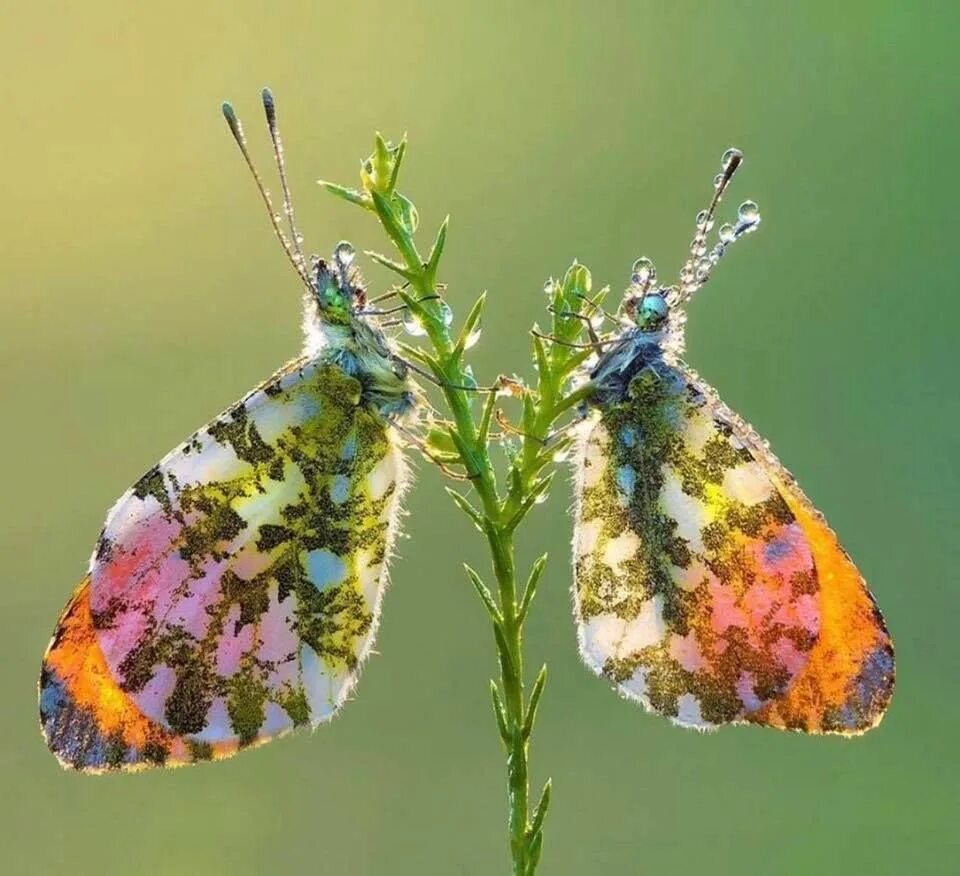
(142, 291)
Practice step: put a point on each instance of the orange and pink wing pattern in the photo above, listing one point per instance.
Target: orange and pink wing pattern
(235, 589)
(707, 586)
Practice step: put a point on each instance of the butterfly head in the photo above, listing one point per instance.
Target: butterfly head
(652, 311)
(336, 286)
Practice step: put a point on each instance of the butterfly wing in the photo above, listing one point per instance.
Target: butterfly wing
(236, 586)
(707, 585)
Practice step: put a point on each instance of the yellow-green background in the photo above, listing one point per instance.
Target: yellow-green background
(141, 291)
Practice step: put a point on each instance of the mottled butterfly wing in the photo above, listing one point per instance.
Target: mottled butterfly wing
(235, 588)
(707, 586)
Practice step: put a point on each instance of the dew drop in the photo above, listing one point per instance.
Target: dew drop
(468, 377)
(344, 253)
(548, 287)
(541, 498)
(749, 212)
(445, 313)
(412, 323)
(643, 272)
(471, 339)
(704, 221)
(718, 180)
(727, 234)
(730, 156)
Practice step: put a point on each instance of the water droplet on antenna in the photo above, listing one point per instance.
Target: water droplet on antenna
(731, 156)
(643, 272)
(345, 253)
(727, 234)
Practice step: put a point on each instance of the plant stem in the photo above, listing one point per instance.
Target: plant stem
(499, 513)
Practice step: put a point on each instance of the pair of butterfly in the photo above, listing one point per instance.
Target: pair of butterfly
(235, 589)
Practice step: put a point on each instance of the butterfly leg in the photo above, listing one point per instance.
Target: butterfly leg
(444, 384)
(421, 445)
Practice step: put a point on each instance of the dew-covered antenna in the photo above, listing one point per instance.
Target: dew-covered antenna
(698, 267)
(270, 108)
(236, 129)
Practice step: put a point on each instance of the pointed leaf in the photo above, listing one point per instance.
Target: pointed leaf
(398, 155)
(470, 323)
(467, 509)
(531, 588)
(396, 267)
(535, 695)
(500, 712)
(350, 195)
(485, 596)
(436, 251)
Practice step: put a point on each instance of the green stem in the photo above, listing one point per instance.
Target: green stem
(499, 514)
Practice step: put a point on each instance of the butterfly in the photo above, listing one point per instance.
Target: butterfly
(235, 588)
(707, 586)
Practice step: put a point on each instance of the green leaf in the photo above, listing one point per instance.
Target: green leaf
(535, 833)
(535, 695)
(406, 212)
(419, 355)
(468, 460)
(536, 825)
(503, 651)
(485, 596)
(536, 491)
(500, 712)
(471, 322)
(395, 231)
(536, 572)
(529, 415)
(381, 162)
(467, 509)
(483, 430)
(540, 357)
(534, 850)
(396, 267)
(436, 251)
(398, 155)
(352, 196)
(440, 439)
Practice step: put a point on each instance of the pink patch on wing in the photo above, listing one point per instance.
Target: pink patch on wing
(686, 651)
(786, 652)
(232, 645)
(726, 612)
(785, 554)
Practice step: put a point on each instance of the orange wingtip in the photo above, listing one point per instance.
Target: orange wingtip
(89, 722)
(848, 680)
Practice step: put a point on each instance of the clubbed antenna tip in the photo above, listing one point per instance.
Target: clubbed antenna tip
(269, 107)
(228, 113)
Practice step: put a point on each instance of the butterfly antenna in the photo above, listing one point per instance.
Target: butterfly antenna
(236, 129)
(701, 262)
(270, 108)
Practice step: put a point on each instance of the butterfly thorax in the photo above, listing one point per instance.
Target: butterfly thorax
(635, 352)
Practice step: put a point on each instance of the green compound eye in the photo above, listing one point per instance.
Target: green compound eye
(652, 312)
(333, 301)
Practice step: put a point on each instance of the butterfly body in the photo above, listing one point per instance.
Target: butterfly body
(235, 588)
